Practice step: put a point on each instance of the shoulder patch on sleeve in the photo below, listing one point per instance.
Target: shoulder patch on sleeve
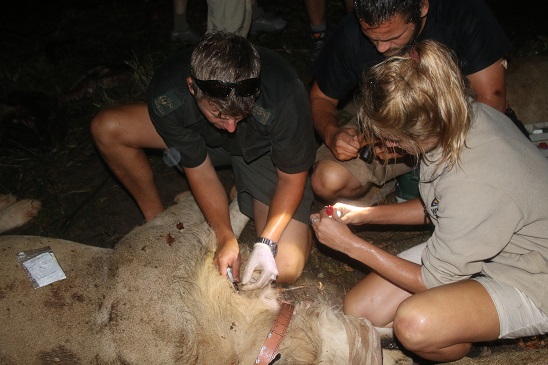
(165, 104)
(262, 116)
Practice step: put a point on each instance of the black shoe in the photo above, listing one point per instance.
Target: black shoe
(267, 23)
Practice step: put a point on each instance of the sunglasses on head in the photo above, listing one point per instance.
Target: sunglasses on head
(221, 89)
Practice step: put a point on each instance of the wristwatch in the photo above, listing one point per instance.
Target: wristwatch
(267, 241)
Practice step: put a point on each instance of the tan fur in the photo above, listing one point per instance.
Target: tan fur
(15, 213)
(527, 88)
(157, 299)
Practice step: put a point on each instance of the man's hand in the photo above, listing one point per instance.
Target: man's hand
(228, 255)
(389, 154)
(261, 259)
(345, 144)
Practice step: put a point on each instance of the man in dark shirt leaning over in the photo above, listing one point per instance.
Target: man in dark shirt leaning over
(225, 103)
(378, 29)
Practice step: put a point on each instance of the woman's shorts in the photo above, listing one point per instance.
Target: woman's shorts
(518, 315)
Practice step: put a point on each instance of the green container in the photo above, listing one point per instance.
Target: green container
(407, 186)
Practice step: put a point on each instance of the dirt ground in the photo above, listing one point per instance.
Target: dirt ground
(55, 49)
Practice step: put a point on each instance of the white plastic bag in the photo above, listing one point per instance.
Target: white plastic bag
(41, 266)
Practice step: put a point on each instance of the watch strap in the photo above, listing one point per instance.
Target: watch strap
(271, 244)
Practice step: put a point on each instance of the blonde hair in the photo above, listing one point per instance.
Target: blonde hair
(416, 96)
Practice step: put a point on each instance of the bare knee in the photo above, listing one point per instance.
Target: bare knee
(374, 298)
(411, 325)
(328, 179)
(353, 305)
(290, 268)
(293, 252)
(289, 276)
(419, 332)
(104, 128)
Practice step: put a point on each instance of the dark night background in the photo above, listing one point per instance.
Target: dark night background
(62, 61)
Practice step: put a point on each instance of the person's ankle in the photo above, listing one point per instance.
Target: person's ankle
(318, 31)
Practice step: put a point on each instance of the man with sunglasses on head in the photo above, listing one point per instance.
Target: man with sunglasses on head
(378, 29)
(226, 103)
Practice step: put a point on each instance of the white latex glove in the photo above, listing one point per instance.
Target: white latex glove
(261, 259)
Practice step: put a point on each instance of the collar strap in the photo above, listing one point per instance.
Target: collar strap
(275, 336)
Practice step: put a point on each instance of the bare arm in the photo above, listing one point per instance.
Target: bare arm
(410, 212)
(344, 143)
(335, 234)
(324, 112)
(286, 199)
(489, 85)
(212, 200)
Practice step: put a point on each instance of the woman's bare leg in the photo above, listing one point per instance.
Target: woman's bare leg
(441, 323)
(376, 299)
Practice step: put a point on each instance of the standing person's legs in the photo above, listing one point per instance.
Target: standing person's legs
(120, 135)
(263, 22)
(181, 29)
(232, 16)
(318, 25)
(316, 13)
(179, 16)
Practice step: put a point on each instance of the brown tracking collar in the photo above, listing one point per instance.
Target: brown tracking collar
(275, 336)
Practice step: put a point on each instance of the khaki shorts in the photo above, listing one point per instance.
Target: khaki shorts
(232, 16)
(518, 315)
(376, 173)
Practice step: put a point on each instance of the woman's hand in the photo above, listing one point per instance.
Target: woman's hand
(331, 231)
(351, 214)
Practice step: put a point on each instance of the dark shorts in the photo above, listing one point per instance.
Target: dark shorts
(255, 180)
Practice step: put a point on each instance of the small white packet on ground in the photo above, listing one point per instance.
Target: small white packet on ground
(41, 266)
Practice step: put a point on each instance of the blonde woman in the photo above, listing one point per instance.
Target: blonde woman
(483, 273)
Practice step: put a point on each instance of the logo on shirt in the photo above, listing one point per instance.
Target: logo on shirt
(167, 103)
(163, 102)
(434, 207)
